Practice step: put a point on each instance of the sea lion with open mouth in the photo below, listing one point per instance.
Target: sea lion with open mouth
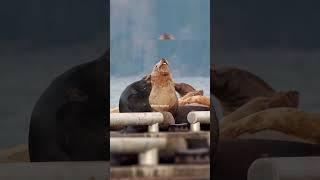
(163, 95)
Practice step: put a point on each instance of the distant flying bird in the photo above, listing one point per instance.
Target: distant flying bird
(166, 36)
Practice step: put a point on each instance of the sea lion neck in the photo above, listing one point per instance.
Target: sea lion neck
(161, 79)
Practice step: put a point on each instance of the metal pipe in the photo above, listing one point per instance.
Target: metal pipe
(154, 128)
(135, 119)
(283, 168)
(195, 127)
(135, 144)
(141, 118)
(197, 117)
(149, 157)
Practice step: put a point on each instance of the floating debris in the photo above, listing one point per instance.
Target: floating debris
(166, 36)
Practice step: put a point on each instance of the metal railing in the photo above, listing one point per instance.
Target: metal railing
(146, 148)
(151, 119)
(196, 118)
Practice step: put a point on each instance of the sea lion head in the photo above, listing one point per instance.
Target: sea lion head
(144, 87)
(147, 78)
(183, 88)
(161, 68)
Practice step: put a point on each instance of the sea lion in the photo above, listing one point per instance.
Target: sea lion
(291, 121)
(195, 99)
(279, 99)
(235, 87)
(69, 122)
(183, 88)
(135, 98)
(163, 91)
(190, 94)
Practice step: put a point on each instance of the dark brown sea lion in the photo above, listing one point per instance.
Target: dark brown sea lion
(135, 98)
(235, 87)
(183, 88)
(163, 96)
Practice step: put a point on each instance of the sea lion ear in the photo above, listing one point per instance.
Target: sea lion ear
(147, 77)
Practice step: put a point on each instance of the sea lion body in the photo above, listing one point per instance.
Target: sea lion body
(163, 92)
(68, 122)
(195, 99)
(135, 98)
(190, 94)
(290, 121)
(279, 99)
(183, 88)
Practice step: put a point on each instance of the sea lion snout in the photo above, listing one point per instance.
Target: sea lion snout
(163, 61)
(162, 67)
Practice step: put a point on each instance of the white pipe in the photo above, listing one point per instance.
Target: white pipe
(147, 118)
(293, 168)
(135, 144)
(141, 118)
(149, 157)
(199, 116)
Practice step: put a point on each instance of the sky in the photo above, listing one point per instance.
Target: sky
(137, 24)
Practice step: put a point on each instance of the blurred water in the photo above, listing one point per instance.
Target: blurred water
(118, 84)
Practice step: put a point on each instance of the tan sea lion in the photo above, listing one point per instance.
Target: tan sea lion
(190, 94)
(199, 99)
(163, 92)
(290, 121)
(279, 99)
